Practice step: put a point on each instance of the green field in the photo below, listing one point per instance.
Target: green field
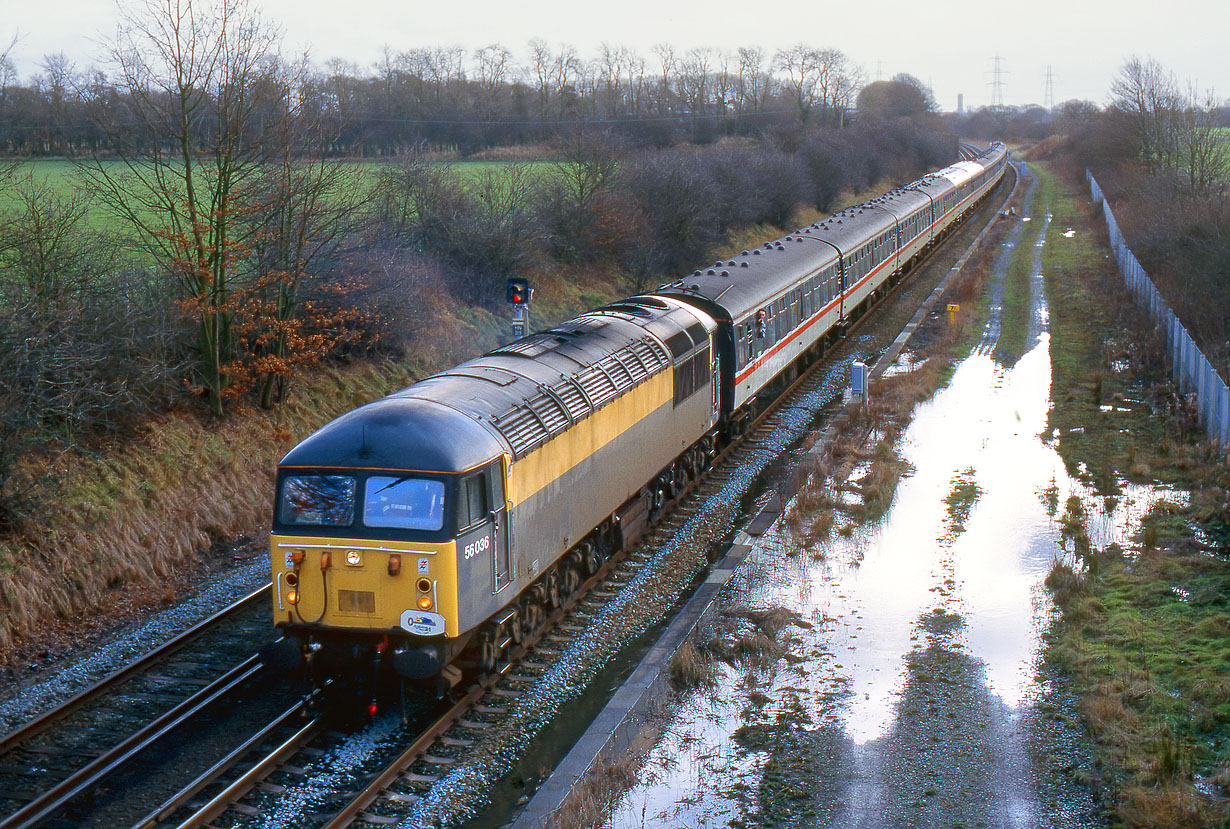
(60, 176)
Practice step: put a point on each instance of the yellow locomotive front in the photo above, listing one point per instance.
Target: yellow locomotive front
(389, 525)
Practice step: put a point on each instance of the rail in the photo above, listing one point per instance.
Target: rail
(49, 802)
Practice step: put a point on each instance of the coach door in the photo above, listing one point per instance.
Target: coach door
(502, 561)
(841, 288)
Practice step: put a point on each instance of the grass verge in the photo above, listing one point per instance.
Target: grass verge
(1144, 633)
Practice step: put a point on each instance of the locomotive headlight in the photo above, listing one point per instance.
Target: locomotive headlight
(292, 579)
(354, 558)
(292, 596)
(425, 602)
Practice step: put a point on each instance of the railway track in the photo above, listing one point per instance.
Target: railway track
(382, 792)
(64, 755)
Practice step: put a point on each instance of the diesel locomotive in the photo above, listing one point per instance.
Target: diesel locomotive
(428, 531)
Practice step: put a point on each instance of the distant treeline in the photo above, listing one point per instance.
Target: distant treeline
(452, 99)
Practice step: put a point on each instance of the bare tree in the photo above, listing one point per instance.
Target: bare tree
(1177, 132)
(669, 65)
(493, 63)
(540, 71)
(694, 79)
(1201, 151)
(838, 82)
(723, 84)
(1148, 95)
(752, 86)
(566, 70)
(190, 142)
(85, 343)
(614, 66)
(587, 169)
(8, 72)
(304, 210)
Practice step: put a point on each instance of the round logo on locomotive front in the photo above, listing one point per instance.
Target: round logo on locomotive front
(354, 558)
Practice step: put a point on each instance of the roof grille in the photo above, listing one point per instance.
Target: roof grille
(522, 428)
(550, 412)
(596, 385)
(529, 425)
(574, 399)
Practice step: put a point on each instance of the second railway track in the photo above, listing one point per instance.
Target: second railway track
(54, 768)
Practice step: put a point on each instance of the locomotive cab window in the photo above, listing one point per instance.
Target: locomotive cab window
(317, 501)
(472, 505)
(403, 503)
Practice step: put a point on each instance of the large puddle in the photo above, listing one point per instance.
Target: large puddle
(972, 532)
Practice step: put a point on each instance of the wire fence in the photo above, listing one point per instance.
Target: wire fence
(1193, 373)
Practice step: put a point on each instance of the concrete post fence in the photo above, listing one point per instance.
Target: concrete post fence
(1192, 371)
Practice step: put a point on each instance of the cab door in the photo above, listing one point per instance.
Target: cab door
(502, 569)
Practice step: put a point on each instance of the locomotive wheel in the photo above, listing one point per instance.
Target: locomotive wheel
(530, 618)
(551, 585)
(591, 558)
(678, 481)
(487, 651)
(571, 581)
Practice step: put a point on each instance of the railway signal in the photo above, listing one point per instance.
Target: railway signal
(518, 292)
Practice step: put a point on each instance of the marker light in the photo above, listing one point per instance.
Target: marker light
(296, 558)
(325, 560)
(292, 596)
(425, 602)
(394, 564)
(371, 709)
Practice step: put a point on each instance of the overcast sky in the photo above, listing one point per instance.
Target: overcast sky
(1083, 41)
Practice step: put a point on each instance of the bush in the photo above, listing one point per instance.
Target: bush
(86, 344)
(487, 230)
(678, 197)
